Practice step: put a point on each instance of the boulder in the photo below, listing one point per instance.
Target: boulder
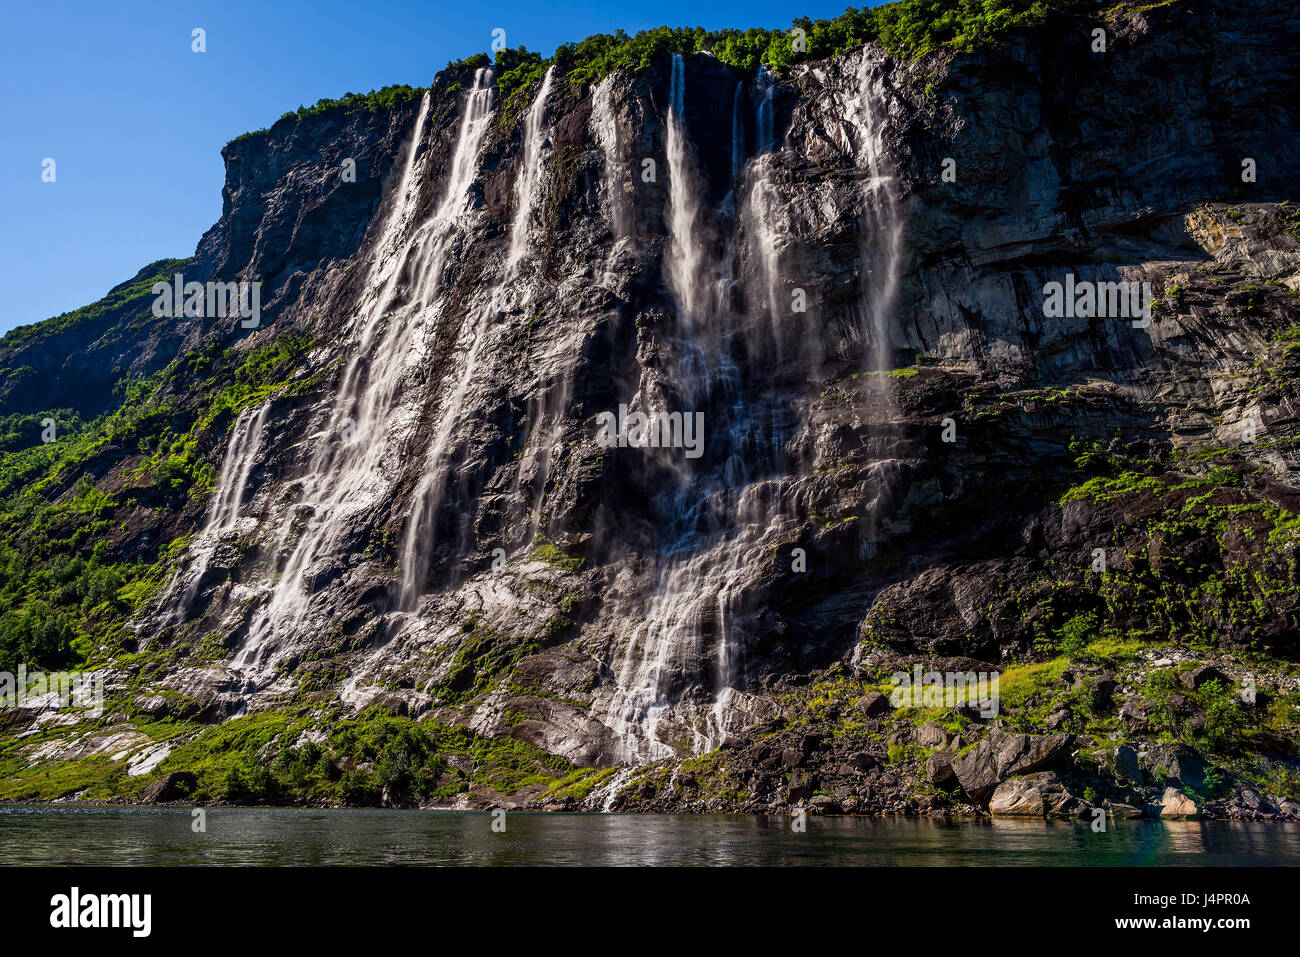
(873, 704)
(1202, 675)
(1126, 765)
(938, 770)
(1056, 719)
(1002, 755)
(823, 804)
(176, 786)
(1101, 691)
(1176, 804)
(1250, 798)
(801, 787)
(931, 735)
(865, 761)
(1174, 764)
(1134, 714)
(1040, 795)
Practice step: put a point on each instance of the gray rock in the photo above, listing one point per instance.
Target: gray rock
(873, 704)
(939, 770)
(176, 786)
(1174, 764)
(931, 735)
(1100, 692)
(1041, 795)
(1201, 676)
(1127, 766)
(1001, 755)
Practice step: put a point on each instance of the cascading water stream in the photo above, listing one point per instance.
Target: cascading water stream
(418, 539)
(375, 409)
(604, 125)
(526, 184)
(711, 525)
(727, 516)
(738, 132)
(762, 208)
(882, 235)
(223, 512)
(765, 118)
(880, 247)
(684, 252)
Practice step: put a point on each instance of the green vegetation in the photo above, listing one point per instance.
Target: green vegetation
(90, 321)
(67, 506)
(906, 27)
(1196, 558)
(376, 101)
(278, 757)
(518, 74)
(554, 555)
(910, 28)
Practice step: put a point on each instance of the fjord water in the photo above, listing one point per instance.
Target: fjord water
(32, 835)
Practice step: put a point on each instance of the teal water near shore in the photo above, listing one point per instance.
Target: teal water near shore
(53, 835)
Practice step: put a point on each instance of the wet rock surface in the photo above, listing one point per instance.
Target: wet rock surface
(943, 475)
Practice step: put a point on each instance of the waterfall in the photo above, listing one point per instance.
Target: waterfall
(765, 118)
(604, 127)
(680, 670)
(421, 525)
(715, 517)
(378, 404)
(223, 511)
(683, 203)
(763, 207)
(738, 132)
(528, 180)
(882, 233)
(602, 798)
(245, 440)
(762, 210)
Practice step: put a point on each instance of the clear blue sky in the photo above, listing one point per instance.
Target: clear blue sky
(135, 120)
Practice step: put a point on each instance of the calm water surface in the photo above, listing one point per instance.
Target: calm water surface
(162, 836)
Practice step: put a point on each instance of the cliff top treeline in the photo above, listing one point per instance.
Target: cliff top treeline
(905, 27)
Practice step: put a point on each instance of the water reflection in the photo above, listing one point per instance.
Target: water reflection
(163, 836)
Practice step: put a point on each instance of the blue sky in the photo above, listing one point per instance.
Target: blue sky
(135, 120)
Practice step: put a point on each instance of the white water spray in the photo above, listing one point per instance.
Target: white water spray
(529, 180)
(223, 511)
(352, 470)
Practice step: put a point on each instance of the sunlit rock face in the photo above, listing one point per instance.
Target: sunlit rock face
(843, 271)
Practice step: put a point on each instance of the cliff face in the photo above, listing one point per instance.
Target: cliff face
(906, 458)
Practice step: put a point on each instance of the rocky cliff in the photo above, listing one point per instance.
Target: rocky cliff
(377, 551)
